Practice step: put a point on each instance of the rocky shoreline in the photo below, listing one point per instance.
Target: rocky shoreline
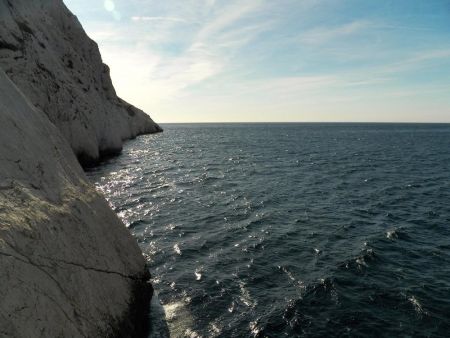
(69, 266)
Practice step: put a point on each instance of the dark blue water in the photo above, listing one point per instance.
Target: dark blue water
(285, 230)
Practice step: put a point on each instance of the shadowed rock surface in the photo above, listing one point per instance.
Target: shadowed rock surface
(47, 54)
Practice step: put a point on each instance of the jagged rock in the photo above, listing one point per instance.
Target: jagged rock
(46, 53)
(69, 268)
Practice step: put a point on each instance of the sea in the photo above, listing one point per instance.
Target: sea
(290, 230)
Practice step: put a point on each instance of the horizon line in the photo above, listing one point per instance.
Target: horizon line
(303, 122)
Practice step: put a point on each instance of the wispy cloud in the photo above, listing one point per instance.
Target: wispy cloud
(414, 61)
(228, 16)
(321, 35)
(158, 18)
(213, 42)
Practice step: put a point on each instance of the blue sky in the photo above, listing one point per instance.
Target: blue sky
(276, 60)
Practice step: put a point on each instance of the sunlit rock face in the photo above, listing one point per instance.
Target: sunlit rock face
(69, 267)
(46, 53)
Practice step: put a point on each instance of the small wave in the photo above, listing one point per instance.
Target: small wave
(198, 275)
(360, 262)
(254, 328)
(177, 249)
(189, 333)
(171, 227)
(215, 329)
(397, 233)
(320, 294)
(417, 305)
(392, 234)
(245, 295)
(135, 223)
(296, 282)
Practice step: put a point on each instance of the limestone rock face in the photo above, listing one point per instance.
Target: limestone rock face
(46, 53)
(68, 266)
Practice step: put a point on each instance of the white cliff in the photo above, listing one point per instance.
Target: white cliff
(46, 53)
(69, 267)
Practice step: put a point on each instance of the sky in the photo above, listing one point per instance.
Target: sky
(276, 60)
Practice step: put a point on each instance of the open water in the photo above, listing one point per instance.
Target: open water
(286, 230)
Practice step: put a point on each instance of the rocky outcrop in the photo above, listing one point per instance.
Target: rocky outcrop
(69, 268)
(46, 53)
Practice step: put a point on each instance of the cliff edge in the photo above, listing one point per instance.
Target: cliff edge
(47, 54)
